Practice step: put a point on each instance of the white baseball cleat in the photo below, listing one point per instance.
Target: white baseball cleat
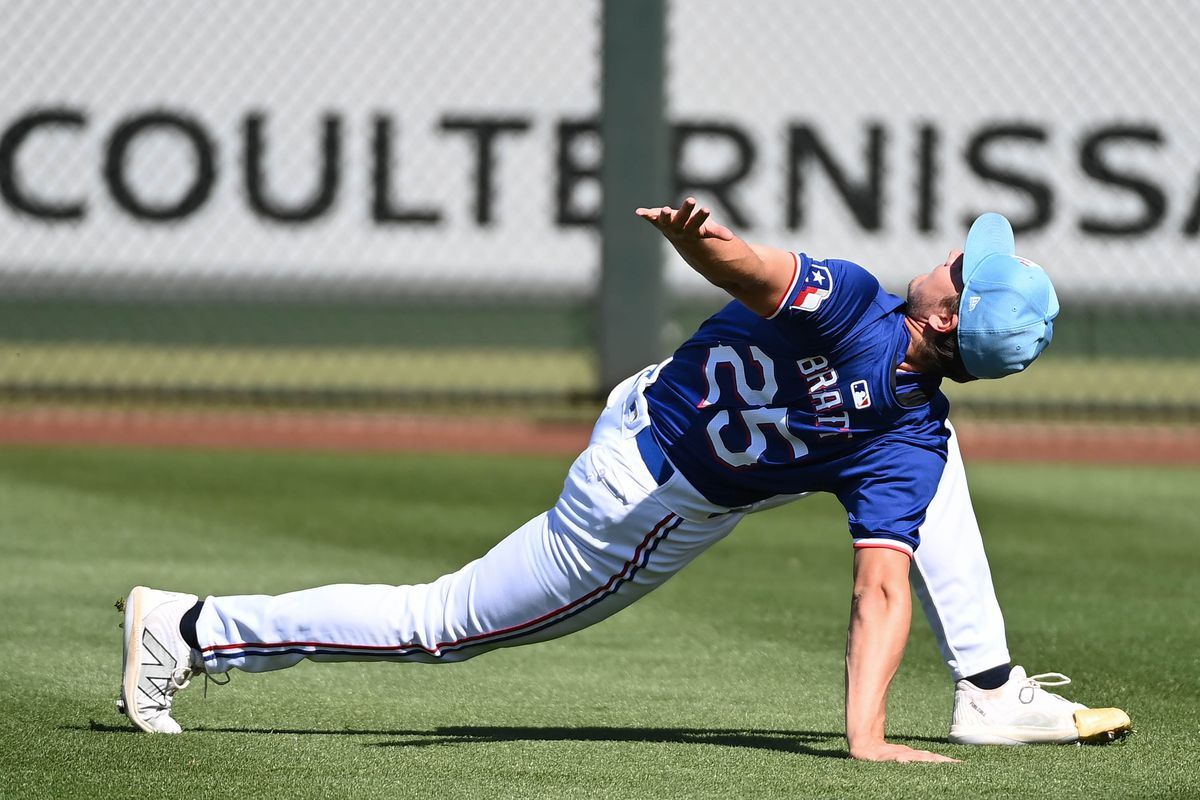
(1023, 712)
(158, 662)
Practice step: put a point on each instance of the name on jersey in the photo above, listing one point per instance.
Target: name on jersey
(826, 398)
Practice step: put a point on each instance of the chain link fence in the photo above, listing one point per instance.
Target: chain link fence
(394, 204)
(877, 131)
(353, 203)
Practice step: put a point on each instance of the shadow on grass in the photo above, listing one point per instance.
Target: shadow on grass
(777, 740)
(784, 741)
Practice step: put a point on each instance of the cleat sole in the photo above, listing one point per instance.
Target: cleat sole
(133, 645)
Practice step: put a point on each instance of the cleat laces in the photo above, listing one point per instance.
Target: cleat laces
(210, 679)
(1036, 683)
(180, 679)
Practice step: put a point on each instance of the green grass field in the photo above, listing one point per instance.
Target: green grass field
(1135, 362)
(486, 375)
(725, 683)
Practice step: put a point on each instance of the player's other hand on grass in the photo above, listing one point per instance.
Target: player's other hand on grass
(883, 751)
(687, 222)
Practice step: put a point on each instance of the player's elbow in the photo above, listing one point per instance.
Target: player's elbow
(725, 284)
(878, 594)
(882, 589)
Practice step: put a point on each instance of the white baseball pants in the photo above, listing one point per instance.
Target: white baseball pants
(613, 536)
(952, 578)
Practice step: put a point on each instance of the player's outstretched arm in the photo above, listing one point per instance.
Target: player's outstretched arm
(880, 612)
(756, 275)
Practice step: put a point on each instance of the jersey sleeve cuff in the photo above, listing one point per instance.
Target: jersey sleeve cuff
(889, 544)
(791, 289)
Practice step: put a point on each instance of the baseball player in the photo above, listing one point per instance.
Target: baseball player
(812, 380)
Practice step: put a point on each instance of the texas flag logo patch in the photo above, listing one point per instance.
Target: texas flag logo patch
(818, 283)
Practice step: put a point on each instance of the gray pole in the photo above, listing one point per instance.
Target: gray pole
(632, 308)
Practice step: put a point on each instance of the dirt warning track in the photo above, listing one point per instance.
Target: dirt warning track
(340, 431)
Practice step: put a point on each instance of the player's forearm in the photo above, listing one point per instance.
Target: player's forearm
(879, 622)
(732, 265)
(755, 274)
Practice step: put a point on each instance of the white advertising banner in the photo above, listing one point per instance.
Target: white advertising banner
(430, 146)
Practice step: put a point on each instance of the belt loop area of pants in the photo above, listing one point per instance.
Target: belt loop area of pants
(653, 456)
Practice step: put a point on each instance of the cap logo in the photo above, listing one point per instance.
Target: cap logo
(974, 301)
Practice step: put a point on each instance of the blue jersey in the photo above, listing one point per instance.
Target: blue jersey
(808, 400)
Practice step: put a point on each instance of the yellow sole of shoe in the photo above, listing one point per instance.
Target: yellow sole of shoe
(1102, 724)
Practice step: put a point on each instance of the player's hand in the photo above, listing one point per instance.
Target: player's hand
(882, 751)
(686, 222)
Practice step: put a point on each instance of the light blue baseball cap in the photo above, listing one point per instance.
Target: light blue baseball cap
(1006, 316)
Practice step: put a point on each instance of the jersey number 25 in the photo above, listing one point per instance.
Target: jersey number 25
(755, 421)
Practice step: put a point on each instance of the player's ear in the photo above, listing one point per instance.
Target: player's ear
(943, 323)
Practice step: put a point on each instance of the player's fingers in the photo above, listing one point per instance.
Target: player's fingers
(658, 217)
(679, 221)
(697, 220)
(932, 758)
(715, 230)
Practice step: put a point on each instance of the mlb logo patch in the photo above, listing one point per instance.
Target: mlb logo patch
(818, 283)
(861, 395)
